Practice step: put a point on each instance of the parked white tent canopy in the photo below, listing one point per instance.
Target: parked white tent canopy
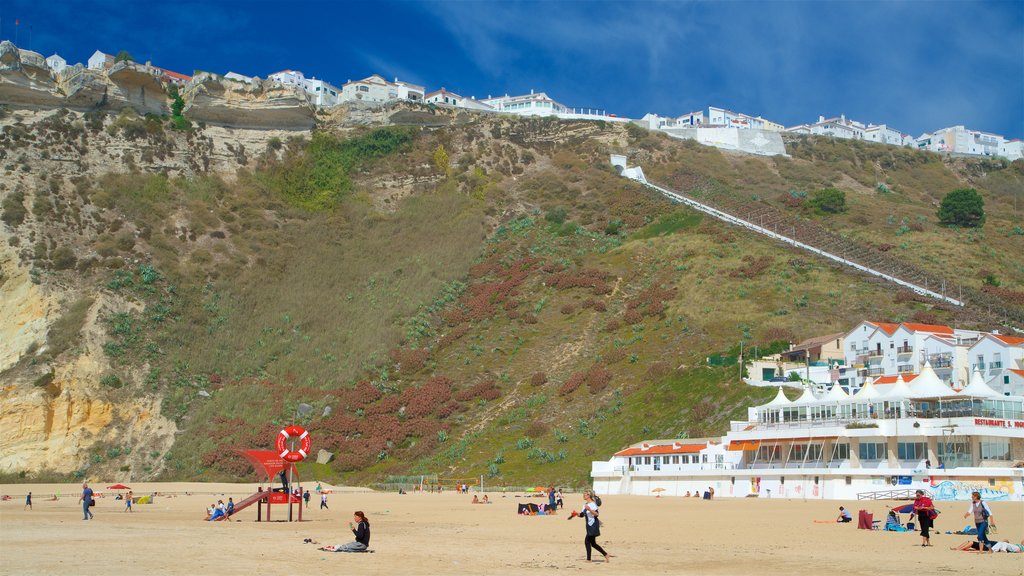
(899, 391)
(805, 399)
(867, 392)
(780, 399)
(836, 394)
(929, 385)
(978, 388)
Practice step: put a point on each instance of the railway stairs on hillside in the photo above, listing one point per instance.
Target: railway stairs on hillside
(812, 237)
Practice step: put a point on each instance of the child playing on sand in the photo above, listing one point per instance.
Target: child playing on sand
(844, 515)
(28, 501)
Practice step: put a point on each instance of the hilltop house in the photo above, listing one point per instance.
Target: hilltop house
(532, 104)
(376, 89)
(320, 93)
(100, 61)
(839, 127)
(443, 97)
(692, 119)
(883, 134)
(239, 77)
(1012, 149)
(56, 63)
(961, 140)
(728, 119)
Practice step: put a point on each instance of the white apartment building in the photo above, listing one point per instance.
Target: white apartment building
(877, 349)
(720, 117)
(444, 97)
(692, 120)
(836, 127)
(1012, 149)
(961, 140)
(376, 89)
(652, 121)
(532, 104)
(883, 134)
(1000, 359)
(56, 63)
(320, 93)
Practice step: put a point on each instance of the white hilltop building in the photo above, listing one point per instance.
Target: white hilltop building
(961, 140)
(320, 93)
(100, 61)
(445, 97)
(56, 63)
(722, 128)
(540, 104)
(239, 77)
(885, 441)
(376, 89)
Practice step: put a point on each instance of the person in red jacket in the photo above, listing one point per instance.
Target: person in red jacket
(925, 509)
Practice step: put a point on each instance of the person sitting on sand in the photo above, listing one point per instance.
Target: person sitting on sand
(844, 515)
(361, 530)
(476, 499)
(485, 500)
(231, 507)
(892, 522)
(687, 494)
(218, 512)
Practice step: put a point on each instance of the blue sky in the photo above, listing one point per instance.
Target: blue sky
(916, 66)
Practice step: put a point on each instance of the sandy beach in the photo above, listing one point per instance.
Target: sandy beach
(446, 534)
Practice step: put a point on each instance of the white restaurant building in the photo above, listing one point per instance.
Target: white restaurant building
(882, 441)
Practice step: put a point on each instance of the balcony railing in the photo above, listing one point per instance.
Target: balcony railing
(905, 368)
(875, 354)
(905, 350)
(876, 371)
(940, 362)
(995, 365)
(978, 366)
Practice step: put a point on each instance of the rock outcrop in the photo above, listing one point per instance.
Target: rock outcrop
(260, 105)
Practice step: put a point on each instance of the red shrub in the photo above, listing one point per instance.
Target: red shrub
(529, 318)
(486, 390)
(598, 377)
(581, 278)
(614, 356)
(452, 336)
(410, 360)
(424, 400)
(388, 405)
(632, 316)
(572, 383)
(612, 325)
(567, 309)
(539, 379)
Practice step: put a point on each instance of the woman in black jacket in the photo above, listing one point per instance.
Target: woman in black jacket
(361, 530)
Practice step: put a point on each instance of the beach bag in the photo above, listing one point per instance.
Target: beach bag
(92, 502)
(594, 529)
(597, 500)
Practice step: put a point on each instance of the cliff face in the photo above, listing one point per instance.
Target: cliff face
(25, 81)
(217, 100)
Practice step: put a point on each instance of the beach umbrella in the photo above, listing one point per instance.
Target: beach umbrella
(905, 509)
(658, 490)
(118, 487)
(540, 489)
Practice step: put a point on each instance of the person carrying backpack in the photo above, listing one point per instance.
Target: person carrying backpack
(593, 525)
(983, 519)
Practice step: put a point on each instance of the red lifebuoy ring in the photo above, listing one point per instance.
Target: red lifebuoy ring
(292, 432)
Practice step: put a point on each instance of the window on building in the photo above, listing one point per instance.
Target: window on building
(911, 450)
(841, 451)
(363, 88)
(872, 451)
(995, 449)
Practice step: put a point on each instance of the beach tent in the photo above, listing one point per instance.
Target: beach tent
(867, 392)
(978, 388)
(780, 399)
(531, 509)
(806, 398)
(929, 385)
(899, 391)
(118, 487)
(836, 394)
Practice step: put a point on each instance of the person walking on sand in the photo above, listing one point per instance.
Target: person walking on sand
(305, 496)
(592, 524)
(28, 501)
(128, 502)
(925, 509)
(323, 501)
(983, 519)
(86, 501)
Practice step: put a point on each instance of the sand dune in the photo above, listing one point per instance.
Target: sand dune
(446, 534)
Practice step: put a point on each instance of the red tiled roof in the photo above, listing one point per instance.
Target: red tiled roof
(892, 379)
(887, 327)
(1017, 372)
(1011, 340)
(175, 74)
(933, 328)
(664, 449)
